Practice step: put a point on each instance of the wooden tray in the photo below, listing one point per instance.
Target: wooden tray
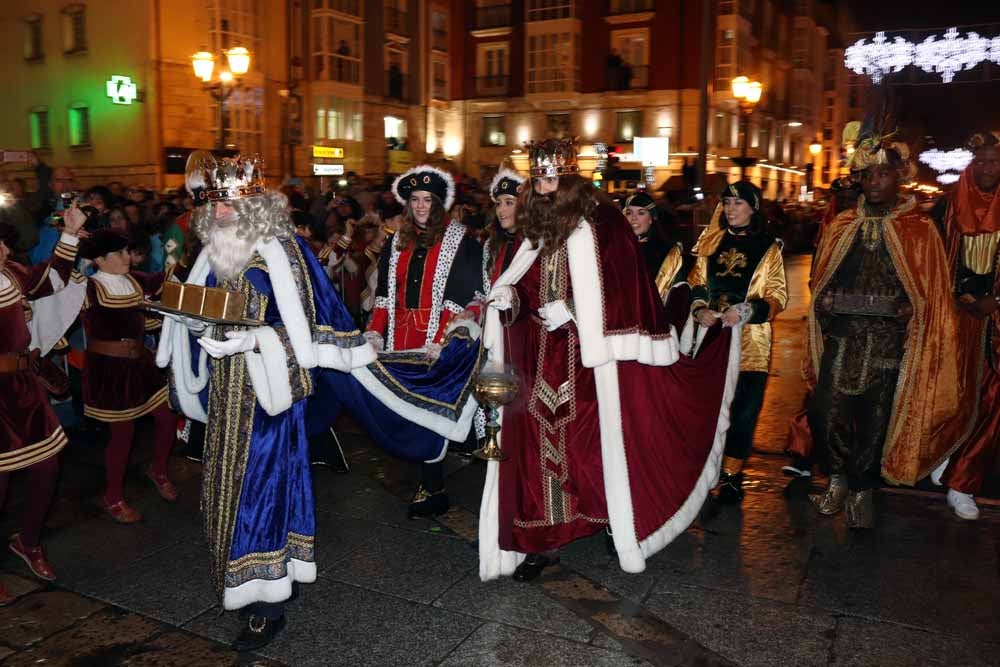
(160, 308)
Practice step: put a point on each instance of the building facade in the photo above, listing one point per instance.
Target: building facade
(609, 71)
(107, 88)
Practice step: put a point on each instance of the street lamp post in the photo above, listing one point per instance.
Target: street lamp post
(203, 62)
(814, 150)
(747, 94)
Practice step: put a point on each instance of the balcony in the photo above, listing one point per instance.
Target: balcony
(439, 40)
(493, 85)
(497, 16)
(627, 77)
(396, 21)
(564, 10)
(333, 67)
(631, 6)
(396, 85)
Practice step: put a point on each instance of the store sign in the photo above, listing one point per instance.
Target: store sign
(121, 90)
(328, 170)
(333, 152)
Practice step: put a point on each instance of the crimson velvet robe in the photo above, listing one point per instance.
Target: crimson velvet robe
(29, 429)
(612, 425)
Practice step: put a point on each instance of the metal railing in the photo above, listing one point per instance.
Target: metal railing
(496, 16)
(333, 67)
(396, 85)
(627, 77)
(493, 85)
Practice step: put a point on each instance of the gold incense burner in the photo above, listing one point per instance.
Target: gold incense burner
(494, 387)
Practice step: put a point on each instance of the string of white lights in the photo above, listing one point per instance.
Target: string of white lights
(946, 54)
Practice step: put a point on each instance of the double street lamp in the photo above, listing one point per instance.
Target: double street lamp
(747, 94)
(203, 62)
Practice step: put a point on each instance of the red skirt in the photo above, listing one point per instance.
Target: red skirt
(29, 429)
(117, 389)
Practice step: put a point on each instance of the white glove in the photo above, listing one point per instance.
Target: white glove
(555, 314)
(239, 341)
(432, 351)
(745, 312)
(375, 339)
(197, 327)
(501, 297)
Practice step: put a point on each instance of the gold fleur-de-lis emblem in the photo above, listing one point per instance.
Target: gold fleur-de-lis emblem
(731, 259)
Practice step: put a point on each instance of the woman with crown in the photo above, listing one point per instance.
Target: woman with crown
(578, 319)
(428, 273)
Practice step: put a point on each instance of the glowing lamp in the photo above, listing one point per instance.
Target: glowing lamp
(754, 91)
(226, 76)
(203, 63)
(815, 148)
(239, 60)
(740, 86)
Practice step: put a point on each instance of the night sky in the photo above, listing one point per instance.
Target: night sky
(946, 112)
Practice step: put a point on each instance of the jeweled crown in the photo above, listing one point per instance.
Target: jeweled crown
(552, 157)
(209, 179)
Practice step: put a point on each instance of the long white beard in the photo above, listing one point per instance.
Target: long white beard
(228, 253)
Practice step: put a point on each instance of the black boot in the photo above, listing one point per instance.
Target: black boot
(426, 504)
(263, 622)
(533, 565)
(196, 441)
(731, 488)
(609, 542)
(325, 450)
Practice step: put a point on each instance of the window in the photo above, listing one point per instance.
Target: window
(395, 17)
(440, 71)
(492, 69)
(395, 132)
(557, 125)
(725, 63)
(553, 62)
(38, 122)
(75, 29)
(492, 13)
(631, 68)
(337, 119)
(546, 10)
(396, 72)
(243, 117)
(79, 126)
(234, 23)
(494, 131)
(344, 6)
(336, 48)
(439, 30)
(627, 125)
(33, 51)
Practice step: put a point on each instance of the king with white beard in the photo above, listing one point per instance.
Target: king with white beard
(256, 492)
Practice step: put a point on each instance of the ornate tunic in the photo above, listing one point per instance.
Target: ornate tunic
(738, 268)
(117, 388)
(29, 429)
(420, 289)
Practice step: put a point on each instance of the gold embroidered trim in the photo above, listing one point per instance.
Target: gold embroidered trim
(154, 402)
(25, 457)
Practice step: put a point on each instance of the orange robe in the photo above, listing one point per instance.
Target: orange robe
(931, 409)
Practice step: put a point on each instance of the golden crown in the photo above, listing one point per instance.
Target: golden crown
(552, 157)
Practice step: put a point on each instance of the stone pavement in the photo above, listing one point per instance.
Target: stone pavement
(770, 583)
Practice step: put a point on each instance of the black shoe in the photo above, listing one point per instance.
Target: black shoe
(799, 467)
(324, 450)
(731, 488)
(426, 504)
(609, 542)
(533, 565)
(257, 633)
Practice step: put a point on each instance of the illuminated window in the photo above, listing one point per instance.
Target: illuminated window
(338, 119)
(627, 125)
(38, 122)
(33, 50)
(493, 69)
(75, 29)
(79, 126)
(336, 47)
(395, 128)
(557, 125)
(494, 131)
(553, 62)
